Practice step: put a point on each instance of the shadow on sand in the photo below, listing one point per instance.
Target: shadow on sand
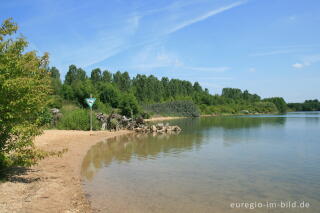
(18, 174)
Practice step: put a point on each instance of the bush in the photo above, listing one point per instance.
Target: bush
(78, 120)
(128, 105)
(278, 102)
(145, 115)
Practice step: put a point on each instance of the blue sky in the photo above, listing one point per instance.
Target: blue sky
(270, 47)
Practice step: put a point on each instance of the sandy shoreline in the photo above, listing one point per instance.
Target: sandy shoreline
(163, 118)
(54, 185)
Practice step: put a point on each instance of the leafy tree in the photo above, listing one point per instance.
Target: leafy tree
(232, 93)
(109, 94)
(24, 89)
(129, 104)
(122, 80)
(197, 87)
(75, 74)
(82, 90)
(96, 75)
(107, 76)
(279, 102)
(55, 80)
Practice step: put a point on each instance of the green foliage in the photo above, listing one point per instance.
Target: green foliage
(279, 102)
(82, 90)
(174, 108)
(24, 89)
(308, 105)
(122, 80)
(55, 101)
(128, 105)
(78, 119)
(101, 107)
(257, 107)
(145, 115)
(96, 75)
(75, 74)
(109, 94)
(107, 76)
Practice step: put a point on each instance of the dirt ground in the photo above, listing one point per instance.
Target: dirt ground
(54, 185)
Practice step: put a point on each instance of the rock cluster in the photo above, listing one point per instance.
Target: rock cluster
(158, 128)
(116, 122)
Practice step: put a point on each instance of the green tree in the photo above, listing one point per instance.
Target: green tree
(109, 94)
(75, 74)
(96, 75)
(24, 89)
(122, 80)
(279, 102)
(107, 76)
(129, 104)
(55, 80)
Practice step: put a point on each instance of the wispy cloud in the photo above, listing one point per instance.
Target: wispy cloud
(205, 16)
(307, 61)
(134, 23)
(280, 50)
(275, 52)
(207, 69)
(155, 56)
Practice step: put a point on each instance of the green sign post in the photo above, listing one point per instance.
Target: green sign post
(90, 101)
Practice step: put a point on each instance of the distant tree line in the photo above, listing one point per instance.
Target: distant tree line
(133, 95)
(308, 105)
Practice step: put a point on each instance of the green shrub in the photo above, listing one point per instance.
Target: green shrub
(145, 115)
(78, 119)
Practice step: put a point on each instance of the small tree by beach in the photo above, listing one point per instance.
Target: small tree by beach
(24, 89)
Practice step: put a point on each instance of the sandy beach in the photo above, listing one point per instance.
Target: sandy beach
(54, 185)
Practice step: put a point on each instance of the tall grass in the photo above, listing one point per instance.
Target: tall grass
(78, 119)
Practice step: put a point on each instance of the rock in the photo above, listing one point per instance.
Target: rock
(153, 128)
(116, 122)
(160, 126)
(176, 128)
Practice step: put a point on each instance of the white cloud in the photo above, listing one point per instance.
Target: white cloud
(307, 61)
(298, 65)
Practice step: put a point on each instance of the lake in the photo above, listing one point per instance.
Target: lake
(264, 163)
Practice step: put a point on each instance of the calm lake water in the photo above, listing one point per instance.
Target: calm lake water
(212, 163)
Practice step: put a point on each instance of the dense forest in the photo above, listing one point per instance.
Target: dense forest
(145, 95)
(308, 105)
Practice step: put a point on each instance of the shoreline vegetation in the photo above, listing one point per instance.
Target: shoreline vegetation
(40, 175)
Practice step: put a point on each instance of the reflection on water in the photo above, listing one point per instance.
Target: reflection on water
(141, 146)
(211, 163)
